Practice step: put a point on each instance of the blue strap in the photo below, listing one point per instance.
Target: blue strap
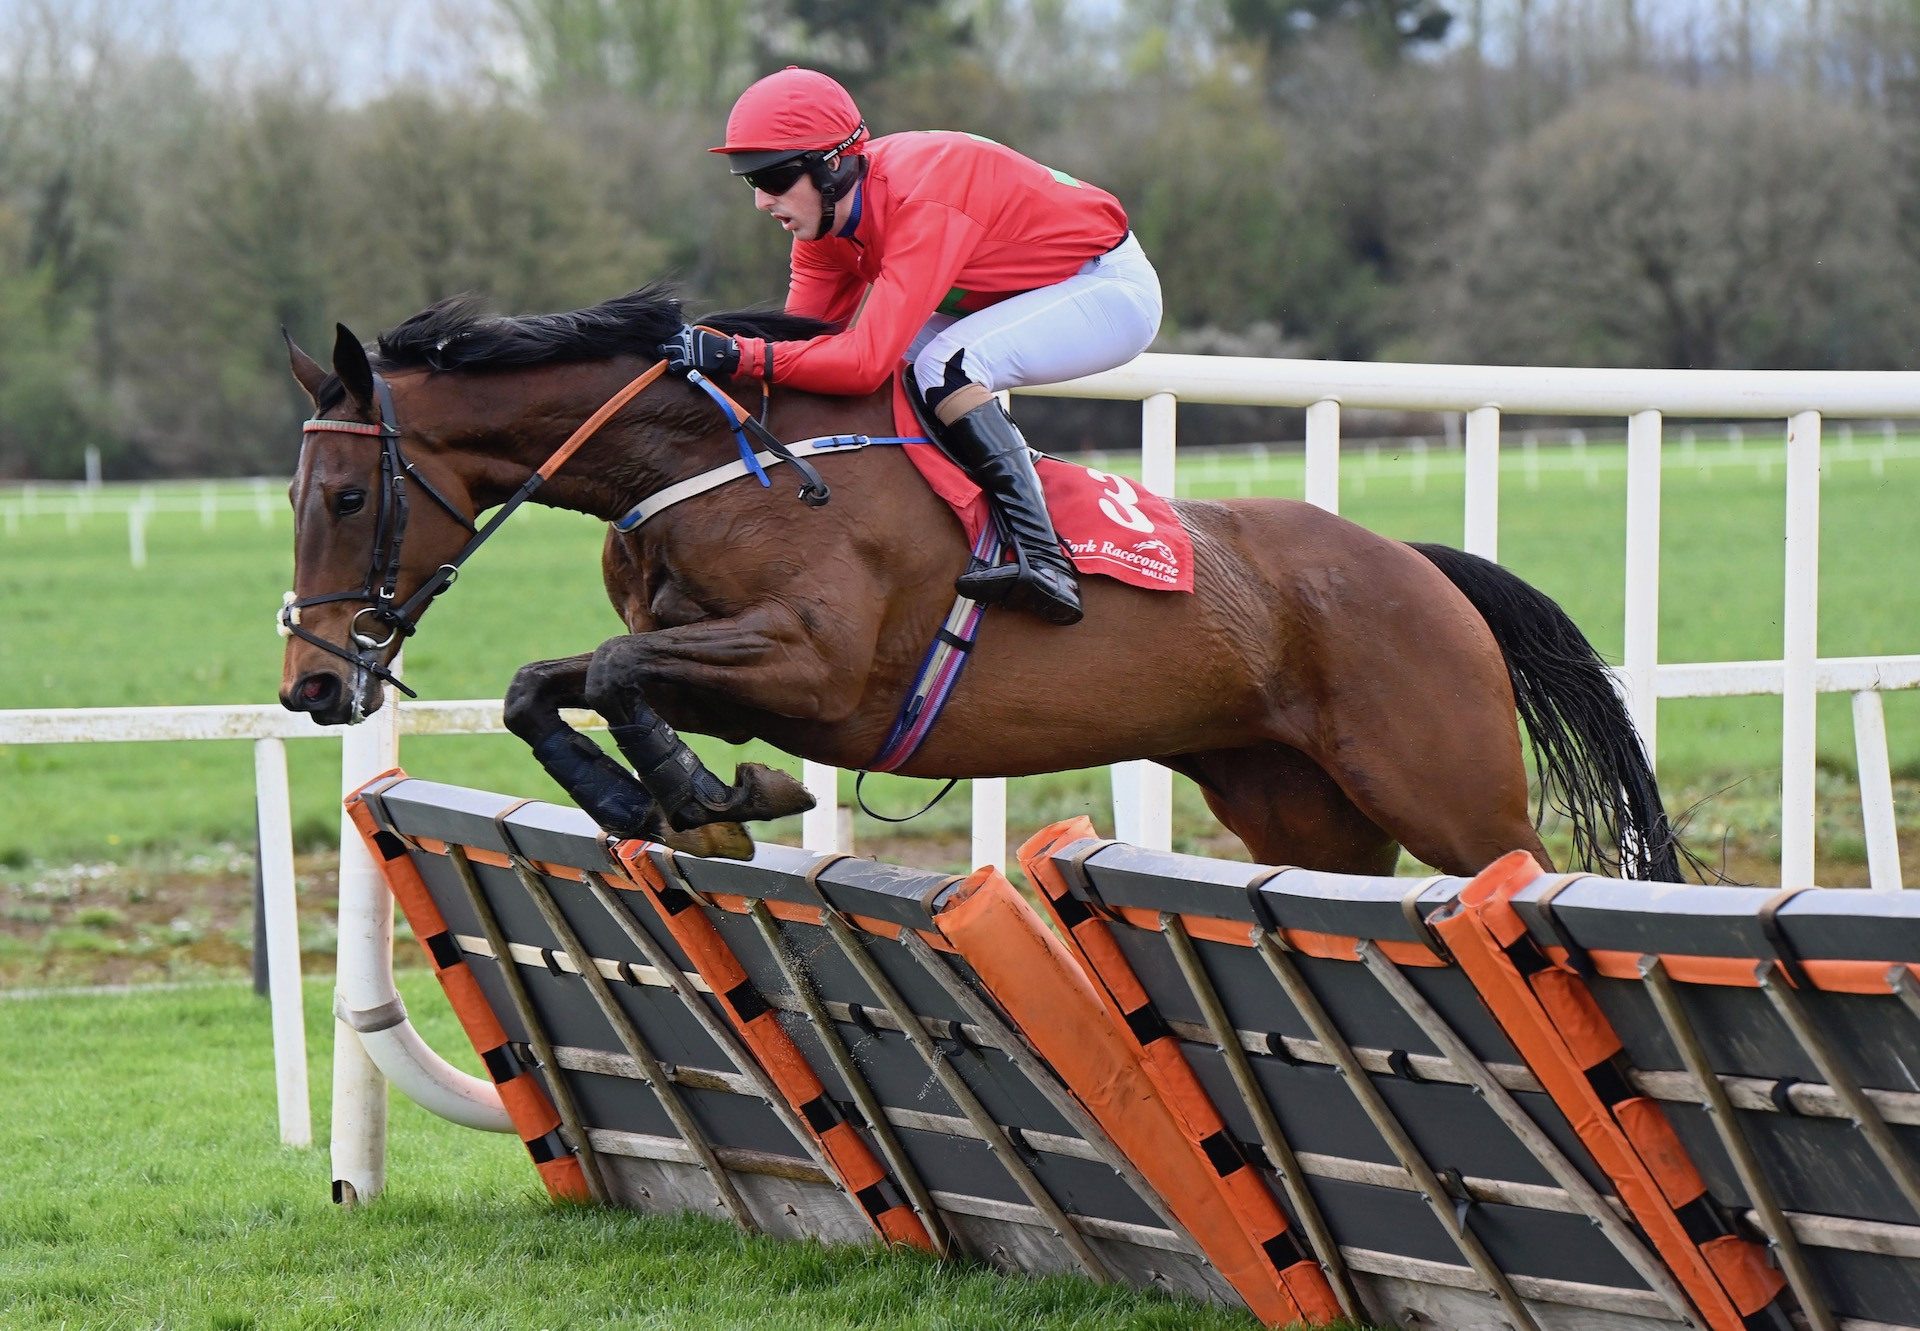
(826, 441)
(720, 400)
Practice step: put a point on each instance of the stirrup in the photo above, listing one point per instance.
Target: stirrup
(1042, 590)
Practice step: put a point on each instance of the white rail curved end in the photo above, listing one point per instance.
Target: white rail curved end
(376, 1042)
(417, 1072)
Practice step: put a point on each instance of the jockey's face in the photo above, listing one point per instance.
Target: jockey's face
(799, 210)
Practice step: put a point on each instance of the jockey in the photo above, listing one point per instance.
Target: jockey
(983, 268)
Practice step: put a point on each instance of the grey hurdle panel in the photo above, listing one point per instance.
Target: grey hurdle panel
(656, 1132)
(1795, 1003)
(1018, 1174)
(1372, 1059)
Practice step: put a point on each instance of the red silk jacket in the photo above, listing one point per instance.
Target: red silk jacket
(946, 222)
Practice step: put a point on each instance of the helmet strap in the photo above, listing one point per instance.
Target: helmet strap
(834, 174)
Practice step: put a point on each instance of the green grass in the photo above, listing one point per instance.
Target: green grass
(145, 1189)
(195, 626)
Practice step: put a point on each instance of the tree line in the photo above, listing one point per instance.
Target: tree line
(1711, 183)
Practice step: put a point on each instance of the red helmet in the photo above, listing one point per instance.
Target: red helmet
(788, 113)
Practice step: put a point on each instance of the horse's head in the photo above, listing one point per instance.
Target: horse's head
(376, 523)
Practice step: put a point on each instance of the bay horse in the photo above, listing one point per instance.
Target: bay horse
(1335, 694)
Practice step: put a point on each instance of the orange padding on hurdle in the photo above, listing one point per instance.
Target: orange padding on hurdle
(1560, 1031)
(797, 913)
(859, 1169)
(1242, 1215)
(1238, 933)
(1833, 975)
(525, 1101)
(500, 860)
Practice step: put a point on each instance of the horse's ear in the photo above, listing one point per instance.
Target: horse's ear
(351, 364)
(306, 369)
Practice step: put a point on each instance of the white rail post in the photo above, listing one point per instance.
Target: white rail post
(1323, 455)
(820, 825)
(1143, 791)
(1876, 791)
(1801, 620)
(137, 534)
(1483, 482)
(1642, 654)
(359, 1143)
(989, 795)
(274, 809)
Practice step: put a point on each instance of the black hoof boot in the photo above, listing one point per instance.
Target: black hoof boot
(605, 791)
(690, 796)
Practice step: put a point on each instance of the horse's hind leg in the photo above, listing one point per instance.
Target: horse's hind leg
(603, 789)
(1439, 771)
(1286, 810)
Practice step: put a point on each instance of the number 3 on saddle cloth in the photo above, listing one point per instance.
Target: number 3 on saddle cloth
(1111, 526)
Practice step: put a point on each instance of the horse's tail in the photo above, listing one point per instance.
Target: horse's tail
(1592, 767)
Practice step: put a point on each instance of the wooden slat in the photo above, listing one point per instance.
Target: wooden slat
(689, 987)
(1673, 1086)
(994, 1032)
(1537, 1289)
(1280, 1153)
(739, 1160)
(1726, 1125)
(962, 1095)
(870, 1107)
(652, 1074)
(1439, 1204)
(1586, 1197)
(1892, 1156)
(561, 1093)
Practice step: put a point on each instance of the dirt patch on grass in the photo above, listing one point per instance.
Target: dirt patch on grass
(156, 919)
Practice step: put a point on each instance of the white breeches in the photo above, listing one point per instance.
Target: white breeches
(1102, 316)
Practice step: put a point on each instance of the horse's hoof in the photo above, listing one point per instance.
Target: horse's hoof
(712, 841)
(768, 792)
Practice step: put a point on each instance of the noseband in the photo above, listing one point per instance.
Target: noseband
(363, 649)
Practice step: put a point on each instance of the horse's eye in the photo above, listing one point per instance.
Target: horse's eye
(349, 501)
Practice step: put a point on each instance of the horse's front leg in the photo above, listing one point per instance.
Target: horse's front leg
(603, 789)
(770, 659)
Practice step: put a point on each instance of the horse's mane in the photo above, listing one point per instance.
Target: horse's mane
(461, 333)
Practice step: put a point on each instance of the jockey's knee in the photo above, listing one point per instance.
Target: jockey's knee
(948, 387)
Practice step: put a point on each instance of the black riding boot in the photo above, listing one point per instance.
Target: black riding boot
(987, 444)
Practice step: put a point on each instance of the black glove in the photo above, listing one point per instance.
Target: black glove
(713, 354)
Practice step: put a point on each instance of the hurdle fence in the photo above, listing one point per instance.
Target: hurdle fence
(1801, 401)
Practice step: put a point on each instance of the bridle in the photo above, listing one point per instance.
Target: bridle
(383, 570)
(390, 521)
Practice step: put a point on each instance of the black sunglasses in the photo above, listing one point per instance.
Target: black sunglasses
(778, 178)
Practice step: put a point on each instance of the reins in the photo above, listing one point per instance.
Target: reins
(939, 671)
(390, 526)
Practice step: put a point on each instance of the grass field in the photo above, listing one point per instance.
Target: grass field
(195, 626)
(145, 1189)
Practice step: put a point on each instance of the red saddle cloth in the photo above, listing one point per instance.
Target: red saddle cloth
(1111, 524)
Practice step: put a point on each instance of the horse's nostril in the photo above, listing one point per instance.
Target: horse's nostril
(315, 687)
